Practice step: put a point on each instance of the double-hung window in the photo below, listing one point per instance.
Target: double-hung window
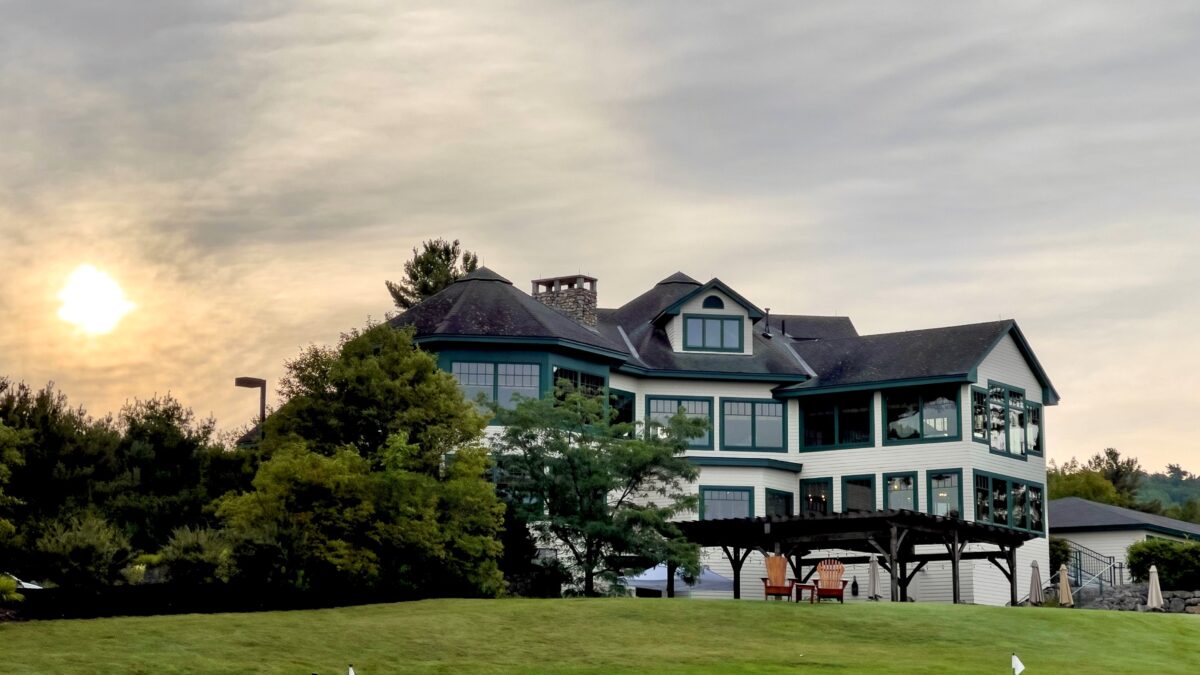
(712, 333)
(925, 414)
(660, 410)
(945, 492)
(753, 425)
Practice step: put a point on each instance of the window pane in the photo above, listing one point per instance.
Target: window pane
(903, 418)
(516, 378)
(858, 495)
(474, 379)
(900, 494)
(622, 407)
(732, 333)
(592, 385)
(996, 425)
(779, 504)
(999, 502)
(720, 504)
(713, 302)
(854, 421)
(979, 415)
(768, 425)
(712, 333)
(945, 494)
(941, 413)
(1035, 508)
(1016, 431)
(818, 424)
(737, 421)
(1033, 430)
(815, 497)
(983, 499)
(1019, 517)
(693, 333)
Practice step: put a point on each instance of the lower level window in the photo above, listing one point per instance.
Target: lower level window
(816, 496)
(585, 383)
(779, 504)
(858, 493)
(718, 503)
(901, 491)
(944, 493)
(1009, 502)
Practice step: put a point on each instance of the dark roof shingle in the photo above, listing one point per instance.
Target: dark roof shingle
(1075, 513)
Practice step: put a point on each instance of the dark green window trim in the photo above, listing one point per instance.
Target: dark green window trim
(711, 405)
(887, 493)
(748, 463)
(874, 491)
(495, 363)
(754, 447)
(730, 488)
(929, 474)
(1008, 389)
(802, 502)
(1009, 480)
(921, 420)
(741, 322)
(801, 390)
(790, 496)
(984, 438)
(837, 431)
(1041, 415)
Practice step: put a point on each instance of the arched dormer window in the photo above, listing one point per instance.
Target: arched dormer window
(713, 302)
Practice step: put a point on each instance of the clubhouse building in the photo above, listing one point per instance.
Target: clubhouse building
(806, 416)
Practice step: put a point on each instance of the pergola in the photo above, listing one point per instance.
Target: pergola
(892, 536)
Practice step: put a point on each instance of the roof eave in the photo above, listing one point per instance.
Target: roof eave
(1049, 393)
(522, 340)
(804, 389)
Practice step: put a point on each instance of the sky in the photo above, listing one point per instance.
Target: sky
(251, 173)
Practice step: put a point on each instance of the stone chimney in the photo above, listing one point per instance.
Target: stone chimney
(574, 296)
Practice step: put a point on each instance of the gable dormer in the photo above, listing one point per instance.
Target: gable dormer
(712, 319)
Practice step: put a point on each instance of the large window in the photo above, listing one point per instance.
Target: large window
(929, 413)
(945, 492)
(1009, 502)
(779, 503)
(586, 383)
(711, 333)
(1033, 428)
(1007, 415)
(752, 425)
(858, 493)
(660, 410)
(622, 403)
(816, 496)
(837, 422)
(500, 382)
(900, 491)
(726, 502)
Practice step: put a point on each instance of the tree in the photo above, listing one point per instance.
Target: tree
(596, 489)
(84, 552)
(1124, 473)
(10, 455)
(1072, 480)
(436, 266)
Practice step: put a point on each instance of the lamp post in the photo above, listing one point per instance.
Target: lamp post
(261, 385)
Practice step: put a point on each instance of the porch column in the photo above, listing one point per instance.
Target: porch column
(1011, 555)
(904, 582)
(955, 556)
(894, 549)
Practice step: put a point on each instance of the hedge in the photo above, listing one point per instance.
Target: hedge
(1178, 563)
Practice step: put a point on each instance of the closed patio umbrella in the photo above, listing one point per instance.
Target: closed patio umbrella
(1064, 588)
(873, 579)
(1035, 585)
(1154, 599)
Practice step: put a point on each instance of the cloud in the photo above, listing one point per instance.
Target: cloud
(251, 172)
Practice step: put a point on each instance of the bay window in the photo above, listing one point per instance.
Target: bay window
(1006, 430)
(498, 382)
(1009, 502)
(717, 503)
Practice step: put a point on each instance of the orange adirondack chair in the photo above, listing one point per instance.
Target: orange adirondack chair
(830, 583)
(776, 583)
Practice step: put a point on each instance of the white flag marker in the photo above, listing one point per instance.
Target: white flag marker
(352, 667)
(1017, 666)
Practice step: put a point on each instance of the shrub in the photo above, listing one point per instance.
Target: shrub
(197, 556)
(1060, 554)
(8, 589)
(84, 552)
(1178, 563)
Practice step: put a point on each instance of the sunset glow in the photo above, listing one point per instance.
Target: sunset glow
(93, 301)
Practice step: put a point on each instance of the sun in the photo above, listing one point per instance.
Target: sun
(92, 301)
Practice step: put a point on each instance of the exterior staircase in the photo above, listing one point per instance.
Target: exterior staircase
(1090, 573)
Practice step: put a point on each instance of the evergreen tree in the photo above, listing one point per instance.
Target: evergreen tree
(436, 266)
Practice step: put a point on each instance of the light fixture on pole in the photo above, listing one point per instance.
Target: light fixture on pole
(261, 385)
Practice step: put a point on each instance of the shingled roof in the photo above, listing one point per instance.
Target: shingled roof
(1074, 514)
(485, 304)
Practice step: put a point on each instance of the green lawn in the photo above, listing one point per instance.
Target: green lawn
(606, 635)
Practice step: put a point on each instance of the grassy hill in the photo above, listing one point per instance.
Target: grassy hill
(611, 635)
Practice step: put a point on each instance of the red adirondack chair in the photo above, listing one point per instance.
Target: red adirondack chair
(830, 583)
(777, 584)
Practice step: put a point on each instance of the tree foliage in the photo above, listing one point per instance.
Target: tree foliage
(1178, 563)
(84, 552)
(1125, 473)
(601, 491)
(1072, 480)
(438, 264)
(10, 455)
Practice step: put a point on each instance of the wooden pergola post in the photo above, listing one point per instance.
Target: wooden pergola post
(737, 557)
(1011, 554)
(955, 557)
(671, 567)
(893, 568)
